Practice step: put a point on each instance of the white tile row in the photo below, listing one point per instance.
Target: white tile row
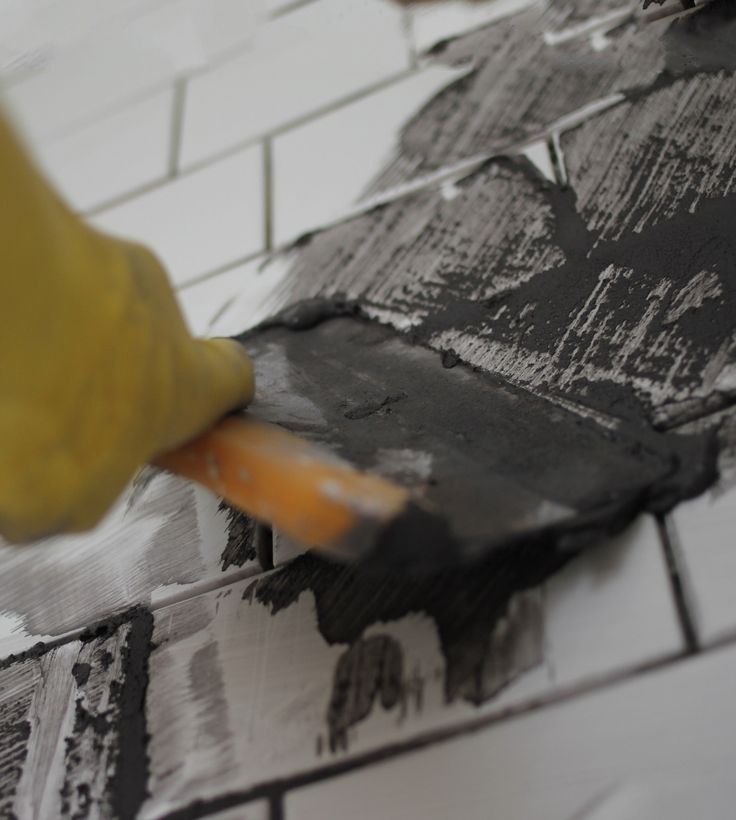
(318, 54)
(657, 746)
(211, 217)
(262, 715)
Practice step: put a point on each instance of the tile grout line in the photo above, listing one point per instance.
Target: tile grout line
(176, 124)
(268, 194)
(679, 586)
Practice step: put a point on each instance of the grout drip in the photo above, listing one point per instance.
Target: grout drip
(679, 582)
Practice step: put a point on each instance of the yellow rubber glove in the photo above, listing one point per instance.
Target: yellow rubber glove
(98, 372)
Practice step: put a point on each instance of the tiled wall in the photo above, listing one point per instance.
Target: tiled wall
(215, 143)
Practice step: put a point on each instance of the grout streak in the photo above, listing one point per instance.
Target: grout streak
(679, 583)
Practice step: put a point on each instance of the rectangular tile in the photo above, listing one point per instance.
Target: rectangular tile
(655, 746)
(264, 679)
(73, 727)
(321, 169)
(113, 155)
(299, 63)
(164, 539)
(200, 221)
(703, 532)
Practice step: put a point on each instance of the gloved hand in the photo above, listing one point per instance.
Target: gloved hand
(98, 372)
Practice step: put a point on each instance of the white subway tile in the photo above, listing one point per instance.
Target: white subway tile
(198, 222)
(112, 155)
(298, 63)
(322, 168)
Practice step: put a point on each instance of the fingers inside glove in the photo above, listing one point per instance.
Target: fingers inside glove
(217, 378)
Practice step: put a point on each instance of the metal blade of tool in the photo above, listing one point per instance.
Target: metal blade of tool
(500, 464)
